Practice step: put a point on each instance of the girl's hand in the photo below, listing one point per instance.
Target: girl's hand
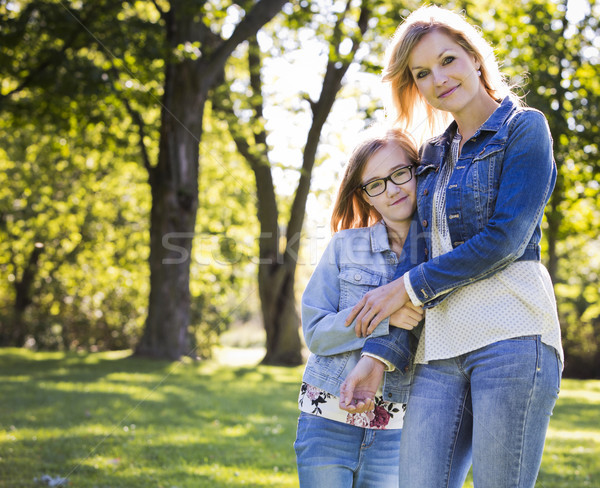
(376, 305)
(357, 393)
(408, 317)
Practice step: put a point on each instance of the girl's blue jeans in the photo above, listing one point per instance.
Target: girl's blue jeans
(331, 454)
(490, 407)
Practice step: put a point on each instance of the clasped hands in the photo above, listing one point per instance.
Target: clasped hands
(358, 390)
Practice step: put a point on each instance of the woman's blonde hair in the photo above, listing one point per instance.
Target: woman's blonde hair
(406, 99)
(350, 209)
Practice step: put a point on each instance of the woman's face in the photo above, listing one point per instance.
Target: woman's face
(398, 202)
(446, 74)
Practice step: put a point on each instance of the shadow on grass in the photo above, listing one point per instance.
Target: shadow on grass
(133, 422)
(573, 414)
(109, 421)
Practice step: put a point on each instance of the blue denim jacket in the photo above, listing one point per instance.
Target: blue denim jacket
(354, 262)
(495, 199)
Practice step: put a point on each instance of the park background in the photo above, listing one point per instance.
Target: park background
(166, 174)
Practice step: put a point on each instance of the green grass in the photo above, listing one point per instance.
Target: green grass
(106, 420)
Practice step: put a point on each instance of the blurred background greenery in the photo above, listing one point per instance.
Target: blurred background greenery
(167, 167)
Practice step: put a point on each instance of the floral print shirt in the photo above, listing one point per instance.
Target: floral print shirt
(386, 415)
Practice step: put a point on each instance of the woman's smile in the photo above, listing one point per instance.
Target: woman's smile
(449, 92)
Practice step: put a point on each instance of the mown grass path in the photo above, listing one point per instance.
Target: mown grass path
(107, 420)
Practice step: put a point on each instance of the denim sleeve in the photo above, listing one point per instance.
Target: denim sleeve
(322, 323)
(395, 347)
(526, 181)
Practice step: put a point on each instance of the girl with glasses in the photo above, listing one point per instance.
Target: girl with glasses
(374, 235)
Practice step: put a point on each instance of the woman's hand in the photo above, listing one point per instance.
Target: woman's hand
(376, 305)
(357, 393)
(408, 317)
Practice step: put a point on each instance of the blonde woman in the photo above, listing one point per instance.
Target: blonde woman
(489, 359)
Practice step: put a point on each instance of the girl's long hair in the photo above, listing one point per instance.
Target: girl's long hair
(351, 210)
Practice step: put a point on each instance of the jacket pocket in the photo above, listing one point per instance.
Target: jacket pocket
(482, 181)
(355, 283)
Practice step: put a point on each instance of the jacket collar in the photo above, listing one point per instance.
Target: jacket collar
(379, 237)
(492, 124)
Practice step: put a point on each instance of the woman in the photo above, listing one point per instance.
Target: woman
(490, 356)
(374, 235)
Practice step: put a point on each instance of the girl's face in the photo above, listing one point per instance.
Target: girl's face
(446, 74)
(397, 202)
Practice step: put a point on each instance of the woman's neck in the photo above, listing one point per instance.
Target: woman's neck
(469, 121)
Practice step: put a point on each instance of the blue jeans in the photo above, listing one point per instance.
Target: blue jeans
(331, 454)
(490, 407)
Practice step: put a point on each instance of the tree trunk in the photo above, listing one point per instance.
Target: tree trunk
(174, 187)
(14, 332)
(280, 317)
(172, 223)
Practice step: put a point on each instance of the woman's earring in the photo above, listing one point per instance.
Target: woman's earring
(478, 72)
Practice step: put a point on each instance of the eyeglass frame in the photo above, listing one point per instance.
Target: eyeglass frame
(388, 178)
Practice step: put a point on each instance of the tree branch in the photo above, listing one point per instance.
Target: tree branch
(141, 129)
(332, 83)
(137, 120)
(263, 12)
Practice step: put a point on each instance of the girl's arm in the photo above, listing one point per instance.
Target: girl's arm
(323, 324)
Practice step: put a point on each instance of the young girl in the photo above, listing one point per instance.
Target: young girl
(374, 235)
(490, 356)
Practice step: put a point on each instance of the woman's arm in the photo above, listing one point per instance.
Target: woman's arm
(526, 182)
(527, 179)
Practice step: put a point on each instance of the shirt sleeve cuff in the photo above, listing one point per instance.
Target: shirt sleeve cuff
(389, 367)
(409, 290)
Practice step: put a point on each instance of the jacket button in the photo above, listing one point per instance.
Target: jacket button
(425, 192)
(424, 223)
(406, 369)
(357, 277)
(426, 251)
(389, 395)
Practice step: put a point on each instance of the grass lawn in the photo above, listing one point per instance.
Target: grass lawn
(107, 420)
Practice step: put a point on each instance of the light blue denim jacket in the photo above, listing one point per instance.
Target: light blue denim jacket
(494, 202)
(354, 262)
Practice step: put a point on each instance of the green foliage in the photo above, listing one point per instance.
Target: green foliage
(133, 422)
(86, 213)
(225, 247)
(75, 195)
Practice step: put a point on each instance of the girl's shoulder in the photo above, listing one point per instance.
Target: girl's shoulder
(357, 238)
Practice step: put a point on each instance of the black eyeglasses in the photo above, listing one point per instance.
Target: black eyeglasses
(398, 177)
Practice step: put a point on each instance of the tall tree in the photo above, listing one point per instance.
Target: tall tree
(88, 43)
(174, 179)
(279, 244)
